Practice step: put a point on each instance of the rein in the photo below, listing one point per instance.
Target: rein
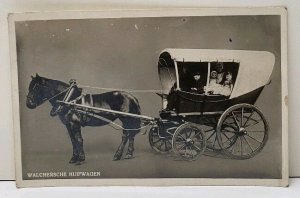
(126, 90)
(44, 100)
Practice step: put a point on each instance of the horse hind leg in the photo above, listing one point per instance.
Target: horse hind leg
(130, 149)
(120, 149)
(134, 125)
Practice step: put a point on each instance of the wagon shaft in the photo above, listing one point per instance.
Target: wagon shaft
(107, 110)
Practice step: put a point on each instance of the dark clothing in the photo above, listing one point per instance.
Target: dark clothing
(197, 87)
(172, 99)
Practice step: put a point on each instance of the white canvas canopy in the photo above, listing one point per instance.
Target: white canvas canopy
(255, 67)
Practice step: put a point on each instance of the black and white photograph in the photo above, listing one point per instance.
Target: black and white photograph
(161, 97)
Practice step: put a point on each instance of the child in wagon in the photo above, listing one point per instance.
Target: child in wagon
(213, 85)
(226, 85)
(224, 88)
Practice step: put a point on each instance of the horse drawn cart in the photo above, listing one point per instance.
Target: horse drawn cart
(229, 123)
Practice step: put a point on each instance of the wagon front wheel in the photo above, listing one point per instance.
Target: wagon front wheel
(189, 141)
(242, 131)
(159, 141)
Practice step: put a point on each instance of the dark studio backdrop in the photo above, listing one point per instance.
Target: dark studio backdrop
(123, 53)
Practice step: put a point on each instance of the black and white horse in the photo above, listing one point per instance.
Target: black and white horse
(42, 89)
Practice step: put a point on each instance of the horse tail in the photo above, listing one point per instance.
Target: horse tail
(135, 105)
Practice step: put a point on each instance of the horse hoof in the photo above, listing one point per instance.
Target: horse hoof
(72, 160)
(116, 158)
(81, 159)
(128, 156)
(78, 163)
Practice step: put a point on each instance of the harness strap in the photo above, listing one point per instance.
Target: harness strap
(111, 123)
(70, 91)
(126, 90)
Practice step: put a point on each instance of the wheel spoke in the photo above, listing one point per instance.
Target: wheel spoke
(242, 116)
(253, 138)
(249, 118)
(209, 130)
(182, 137)
(255, 123)
(154, 142)
(166, 148)
(185, 152)
(232, 148)
(234, 136)
(184, 145)
(168, 140)
(196, 134)
(162, 142)
(211, 135)
(248, 144)
(215, 141)
(228, 124)
(196, 147)
(236, 122)
(191, 151)
(229, 131)
(225, 135)
(256, 131)
(241, 146)
(190, 132)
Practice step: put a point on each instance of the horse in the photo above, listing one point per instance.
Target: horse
(42, 89)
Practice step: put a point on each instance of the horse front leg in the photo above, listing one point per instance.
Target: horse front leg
(76, 128)
(120, 149)
(74, 146)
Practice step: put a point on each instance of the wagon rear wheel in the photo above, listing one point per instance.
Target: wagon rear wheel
(242, 131)
(189, 141)
(161, 142)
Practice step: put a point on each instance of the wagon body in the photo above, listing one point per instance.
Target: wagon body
(251, 71)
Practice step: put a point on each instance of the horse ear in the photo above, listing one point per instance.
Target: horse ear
(32, 77)
(36, 75)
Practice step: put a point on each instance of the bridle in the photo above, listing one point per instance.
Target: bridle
(37, 85)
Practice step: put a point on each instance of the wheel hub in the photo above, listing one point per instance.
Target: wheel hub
(242, 131)
(189, 141)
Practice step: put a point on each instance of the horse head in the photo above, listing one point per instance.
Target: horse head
(38, 91)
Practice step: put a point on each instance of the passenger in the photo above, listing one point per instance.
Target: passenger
(196, 84)
(213, 78)
(227, 85)
(213, 86)
(220, 72)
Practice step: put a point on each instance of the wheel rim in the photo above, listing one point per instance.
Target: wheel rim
(159, 143)
(242, 131)
(189, 142)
